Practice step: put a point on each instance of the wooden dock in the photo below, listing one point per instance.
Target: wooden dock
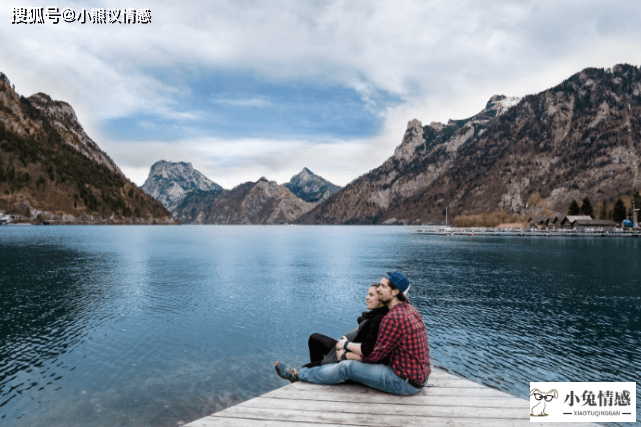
(447, 400)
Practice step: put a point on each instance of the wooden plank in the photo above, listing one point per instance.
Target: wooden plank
(378, 409)
(340, 418)
(486, 401)
(437, 371)
(442, 382)
(214, 421)
(314, 417)
(446, 401)
(428, 391)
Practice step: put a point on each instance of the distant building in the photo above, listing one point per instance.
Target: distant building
(599, 224)
(569, 221)
(577, 222)
(555, 222)
(541, 222)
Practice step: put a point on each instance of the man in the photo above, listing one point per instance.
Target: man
(402, 336)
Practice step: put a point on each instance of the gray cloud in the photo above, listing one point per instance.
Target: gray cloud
(444, 59)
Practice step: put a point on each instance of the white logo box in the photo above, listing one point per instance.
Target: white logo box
(583, 402)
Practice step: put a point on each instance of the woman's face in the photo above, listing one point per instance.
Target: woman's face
(372, 299)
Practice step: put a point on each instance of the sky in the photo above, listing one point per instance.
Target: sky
(251, 89)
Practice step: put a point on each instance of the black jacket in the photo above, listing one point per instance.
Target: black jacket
(369, 332)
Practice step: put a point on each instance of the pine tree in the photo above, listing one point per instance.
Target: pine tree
(619, 212)
(604, 210)
(586, 207)
(574, 208)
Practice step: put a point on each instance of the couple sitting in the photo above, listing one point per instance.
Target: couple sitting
(389, 352)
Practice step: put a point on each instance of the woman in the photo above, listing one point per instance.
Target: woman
(323, 350)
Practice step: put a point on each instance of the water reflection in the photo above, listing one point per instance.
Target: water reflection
(157, 325)
(507, 311)
(46, 310)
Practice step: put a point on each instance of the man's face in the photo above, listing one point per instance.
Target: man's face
(385, 293)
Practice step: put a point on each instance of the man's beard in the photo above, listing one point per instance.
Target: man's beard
(385, 301)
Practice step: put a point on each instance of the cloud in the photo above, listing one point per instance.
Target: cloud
(435, 59)
(253, 102)
(232, 162)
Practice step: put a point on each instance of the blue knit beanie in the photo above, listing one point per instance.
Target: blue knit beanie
(400, 281)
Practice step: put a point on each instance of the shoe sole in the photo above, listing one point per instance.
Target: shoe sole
(291, 380)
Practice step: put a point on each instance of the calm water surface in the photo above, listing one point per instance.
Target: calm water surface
(151, 326)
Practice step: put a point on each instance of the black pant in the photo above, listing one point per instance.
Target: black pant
(319, 346)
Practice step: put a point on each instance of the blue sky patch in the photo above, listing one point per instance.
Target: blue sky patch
(238, 105)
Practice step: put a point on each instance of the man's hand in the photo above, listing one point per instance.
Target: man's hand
(341, 343)
(339, 354)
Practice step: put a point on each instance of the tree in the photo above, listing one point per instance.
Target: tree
(538, 206)
(619, 212)
(586, 207)
(604, 210)
(574, 208)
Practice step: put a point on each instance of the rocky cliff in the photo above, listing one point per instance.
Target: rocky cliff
(50, 170)
(64, 120)
(170, 182)
(580, 138)
(310, 187)
(260, 202)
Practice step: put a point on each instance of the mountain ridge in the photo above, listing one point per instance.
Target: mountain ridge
(260, 202)
(579, 138)
(51, 170)
(195, 199)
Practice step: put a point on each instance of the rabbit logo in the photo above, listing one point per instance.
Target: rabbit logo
(540, 398)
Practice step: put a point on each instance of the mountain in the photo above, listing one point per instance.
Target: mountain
(194, 199)
(310, 187)
(260, 202)
(51, 170)
(169, 182)
(579, 138)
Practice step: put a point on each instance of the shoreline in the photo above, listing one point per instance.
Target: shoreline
(472, 231)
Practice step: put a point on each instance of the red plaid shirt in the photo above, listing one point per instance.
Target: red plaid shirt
(403, 336)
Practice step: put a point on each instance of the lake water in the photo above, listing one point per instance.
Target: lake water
(153, 326)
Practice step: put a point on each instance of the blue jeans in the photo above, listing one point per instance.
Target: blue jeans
(380, 377)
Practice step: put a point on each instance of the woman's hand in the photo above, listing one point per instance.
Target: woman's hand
(341, 343)
(339, 354)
